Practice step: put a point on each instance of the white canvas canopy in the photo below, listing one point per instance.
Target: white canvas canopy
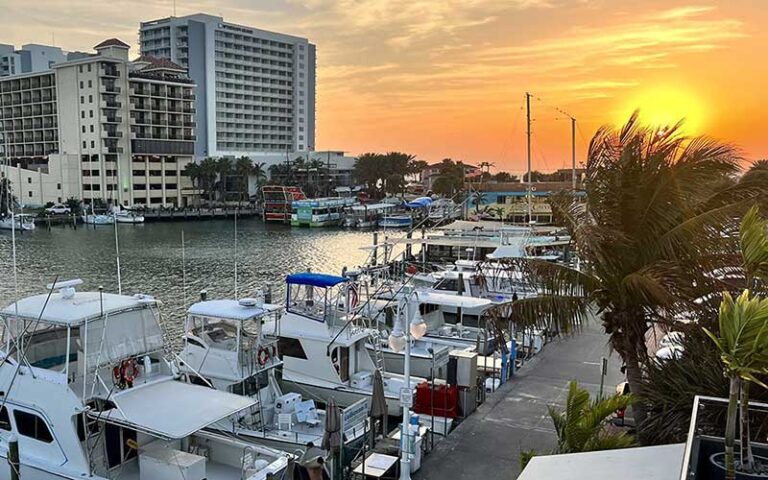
(121, 335)
(172, 409)
(447, 300)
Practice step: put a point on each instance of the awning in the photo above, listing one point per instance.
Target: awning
(171, 409)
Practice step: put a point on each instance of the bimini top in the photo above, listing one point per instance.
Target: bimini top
(74, 309)
(232, 309)
(314, 279)
(421, 202)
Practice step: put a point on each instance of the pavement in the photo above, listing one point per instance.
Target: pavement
(487, 445)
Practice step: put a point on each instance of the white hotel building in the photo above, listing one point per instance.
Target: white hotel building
(255, 89)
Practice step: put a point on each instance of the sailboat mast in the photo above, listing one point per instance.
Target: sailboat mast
(528, 135)
(573, 155)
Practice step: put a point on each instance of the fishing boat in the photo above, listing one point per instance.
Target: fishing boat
(277, 200)
(366, 215)
(91, 390)
(19, 221)
(126, 215)
(323, 349)
(225, 345)
(319, 212)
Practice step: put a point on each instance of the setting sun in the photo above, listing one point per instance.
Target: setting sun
(664, 106)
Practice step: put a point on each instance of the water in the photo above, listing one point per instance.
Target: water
(151, 259)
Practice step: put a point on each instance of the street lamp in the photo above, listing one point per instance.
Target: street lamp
(399, 338)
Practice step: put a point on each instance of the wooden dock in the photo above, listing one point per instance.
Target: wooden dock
(199, 214)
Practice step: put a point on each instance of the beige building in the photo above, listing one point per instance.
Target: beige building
(100, 127)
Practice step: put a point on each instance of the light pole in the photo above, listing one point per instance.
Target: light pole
(401, 338)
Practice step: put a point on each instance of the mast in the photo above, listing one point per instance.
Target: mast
(529, 188)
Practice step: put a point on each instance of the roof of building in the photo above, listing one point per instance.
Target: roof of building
(154, 63)
(660, 463)
(112, 42)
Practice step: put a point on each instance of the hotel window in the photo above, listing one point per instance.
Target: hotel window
(82, 99)
(90, 83)
(90, 112)
(82, 84)
(90, 98)
(82, 114)
(83, 128)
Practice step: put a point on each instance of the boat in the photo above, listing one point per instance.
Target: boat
(366, 215)
(323, 349)
(277, 201)
(225, 345)
(396, 221)
(91, 390)
(126, 215)
(19, 221)
(319, 212)
(98, 219)
(443, 210)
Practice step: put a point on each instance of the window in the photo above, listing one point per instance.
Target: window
(93, 144)
(5, 420)
(81, 84)
(89, 67)
(91, 128)
(85, 144)
(82, 114)
(29, 179)
(83, 128)
(32, 426)
(82, 99)
(290, 347)
(30, 194)
(58, 187)
(90, 83)
(81, 69)
(91, 113)
(90, 98)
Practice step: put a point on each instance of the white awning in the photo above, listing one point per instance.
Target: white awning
(448, 300)
(171, 409)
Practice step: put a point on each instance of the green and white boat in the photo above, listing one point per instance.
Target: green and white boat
(319, 212)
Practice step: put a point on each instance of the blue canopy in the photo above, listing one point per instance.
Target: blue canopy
(314, 279)
(421, 202)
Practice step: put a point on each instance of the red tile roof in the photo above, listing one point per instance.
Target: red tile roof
(159, 63)
(112, 42)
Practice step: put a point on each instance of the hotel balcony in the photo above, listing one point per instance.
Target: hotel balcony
(109, 71)
(111, 104)
(109, 88)
(113, 119)
(109, 133)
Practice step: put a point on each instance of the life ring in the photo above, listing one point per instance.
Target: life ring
(263, 356)
(129, 371)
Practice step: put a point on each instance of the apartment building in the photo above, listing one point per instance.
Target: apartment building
(255, 89)
(100, 127)
(31, 58)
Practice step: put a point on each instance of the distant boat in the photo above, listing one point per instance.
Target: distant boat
(277, 200)
(366, 215)
(98, 219)
(319, 212)
(126, 215)
(396, 221)
(23, 221)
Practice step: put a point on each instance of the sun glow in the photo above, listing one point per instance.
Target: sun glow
(664, 106)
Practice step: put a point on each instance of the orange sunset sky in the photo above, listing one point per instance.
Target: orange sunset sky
(446, 78)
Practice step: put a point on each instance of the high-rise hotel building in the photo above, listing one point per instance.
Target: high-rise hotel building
(99, 127)
(255, 89)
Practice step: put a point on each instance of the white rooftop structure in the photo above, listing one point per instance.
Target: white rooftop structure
(643, 463)
(243, 309)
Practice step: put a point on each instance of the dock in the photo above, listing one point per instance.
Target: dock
(199, 214)
(514, 418)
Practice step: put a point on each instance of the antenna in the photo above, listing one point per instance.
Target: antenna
(117, 258)
(236, 208)
(183, 270)
(528, 134)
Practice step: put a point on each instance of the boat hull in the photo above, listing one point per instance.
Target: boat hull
(129, 219)
(396, 222)
(98, 219)
(420, 366)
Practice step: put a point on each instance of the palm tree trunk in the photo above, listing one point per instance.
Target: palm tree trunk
(635, 379)
(745, 448)
(730, 428)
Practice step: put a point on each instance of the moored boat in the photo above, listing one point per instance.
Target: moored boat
(19, 221)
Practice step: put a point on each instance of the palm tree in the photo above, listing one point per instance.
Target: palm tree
(480, 199)
(498, 212)
(243, 170)
(649, 234)
(743, 346)
(208, 172)
(223, 170)
(259, 172)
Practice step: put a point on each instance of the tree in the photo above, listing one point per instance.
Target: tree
(583, 425)
(498, 212)
(503, 177)
(650, 237)
(384, 174)
(208, 171)
(243, 170)
(224, 171)
(479, 199)
(258, 171)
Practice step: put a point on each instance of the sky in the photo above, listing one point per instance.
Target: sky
(447, 78)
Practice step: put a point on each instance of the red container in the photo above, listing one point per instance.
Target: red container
(444, 402)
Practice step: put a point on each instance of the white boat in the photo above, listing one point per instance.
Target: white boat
(324, 353)
(91, 390)
(396, 221)
(125, 215)
(366, 215)
(224, 343)
(22, 221)
(98, 219)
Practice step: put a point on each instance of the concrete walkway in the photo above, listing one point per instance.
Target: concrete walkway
(514, 418)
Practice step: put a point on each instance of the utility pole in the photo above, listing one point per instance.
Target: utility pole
(573, 154)
(528, 133)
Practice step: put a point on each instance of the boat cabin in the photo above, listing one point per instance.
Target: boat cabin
(319, 212)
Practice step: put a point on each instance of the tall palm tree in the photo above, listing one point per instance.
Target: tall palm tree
(224, 171)
(650, 234)
(243, 170)
(260, 172)
(208, 171)
(480, 199)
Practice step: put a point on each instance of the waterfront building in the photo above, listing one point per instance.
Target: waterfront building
(31, 58)
(99, 127)
(512, 198)
(432, 172)
(256, 89)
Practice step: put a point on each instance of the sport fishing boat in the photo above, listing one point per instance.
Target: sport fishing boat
(225, 346)
(91, 390)
(19, 221)
(323, 349)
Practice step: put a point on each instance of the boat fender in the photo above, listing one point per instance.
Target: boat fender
(263, 356)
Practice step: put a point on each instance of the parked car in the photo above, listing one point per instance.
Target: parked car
(58, 209)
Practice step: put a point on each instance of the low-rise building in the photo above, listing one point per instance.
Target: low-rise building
(512, 198)
(432, 172)
(99, 127)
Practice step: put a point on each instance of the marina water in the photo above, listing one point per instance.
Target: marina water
(151, 259)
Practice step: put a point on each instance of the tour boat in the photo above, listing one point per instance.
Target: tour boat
(396, 221)
(277, 200)
(225, 345)
(319, 212)
(366, 215)
(324, 349)
(19, 221)
(91, 390)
